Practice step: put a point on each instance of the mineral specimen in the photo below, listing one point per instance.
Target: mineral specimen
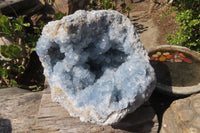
(96, 66)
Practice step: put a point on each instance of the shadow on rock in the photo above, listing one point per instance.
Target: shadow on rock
(5, 126)
(140, 28)
(160, 103)
(139, 1)
(142, 120)
(161, 100)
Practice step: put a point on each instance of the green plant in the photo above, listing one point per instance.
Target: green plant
(128, 10)
(109, 5)
(169, 10)
(188, 32)
(58, 15)
(37, 89)
(16, 55)
(101, 4)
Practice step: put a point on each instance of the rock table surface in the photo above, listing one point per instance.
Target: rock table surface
(24, 111)
(183, 116)
(18, 109)
(6, 3)
(54, 118)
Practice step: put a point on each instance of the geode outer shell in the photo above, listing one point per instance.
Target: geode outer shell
(96, 66)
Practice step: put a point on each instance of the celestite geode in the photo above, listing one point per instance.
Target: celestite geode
(96, 66)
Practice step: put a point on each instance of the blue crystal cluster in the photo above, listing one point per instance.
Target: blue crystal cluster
(97, 60)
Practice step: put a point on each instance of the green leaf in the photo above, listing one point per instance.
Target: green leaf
(18, 27)
(5, 25)
(3, 72)
(58, 15)
(37, 89)
(32, 49)
(13, 83)
(20, 20)
(4, 51)
(11, 51)
(15, 51)
(128, 8)
(20, 69)
(192, 44)
(26, 24)
(42, 24)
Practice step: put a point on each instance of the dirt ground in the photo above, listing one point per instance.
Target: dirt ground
(152, 27)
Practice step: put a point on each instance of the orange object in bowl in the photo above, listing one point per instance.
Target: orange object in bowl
(170, 56)
(187, 60)
(181, 55)
(156, 59)
(162, 58)
(152, 58)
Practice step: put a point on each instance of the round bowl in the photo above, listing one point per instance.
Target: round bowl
(177, 90)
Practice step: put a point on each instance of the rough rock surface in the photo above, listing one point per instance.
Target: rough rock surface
(183, 116)
(22, 111)
(54, 118)
(18, 109)
(96, 65)
(20, 7)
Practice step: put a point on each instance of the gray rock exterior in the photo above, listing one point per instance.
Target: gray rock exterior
(96, 66)
(183, 116)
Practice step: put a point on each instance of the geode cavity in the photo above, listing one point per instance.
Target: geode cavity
(96, 66)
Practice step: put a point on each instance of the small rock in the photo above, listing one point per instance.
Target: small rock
(182, 115)
(187, 60)
(159, 53)
(166, 53)
(178, 60)
(152, 58)
(156, 59)
(155, 55)
(182, 55)
(170, 57)
(162, 58)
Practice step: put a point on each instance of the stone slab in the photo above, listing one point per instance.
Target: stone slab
(22, 111)
(5, 3)
(18, 109)
(12, 91)
(52, 118)
(18, 7)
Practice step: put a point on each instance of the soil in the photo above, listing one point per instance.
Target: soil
(152, 27)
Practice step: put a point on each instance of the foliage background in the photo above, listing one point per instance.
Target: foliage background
(188, 18)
